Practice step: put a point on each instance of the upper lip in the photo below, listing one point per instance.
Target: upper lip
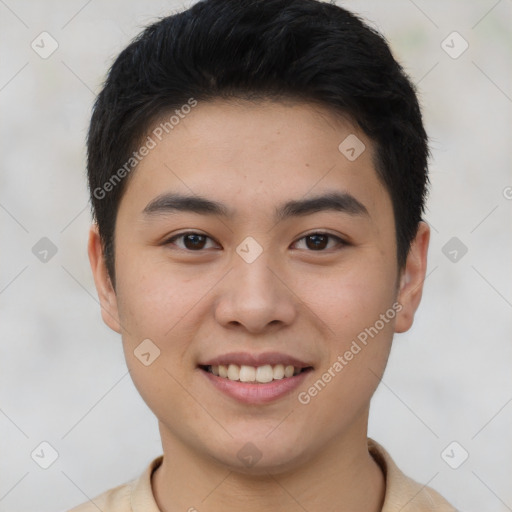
(247, 359)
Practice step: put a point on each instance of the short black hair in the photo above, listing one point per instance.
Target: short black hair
(304, 50)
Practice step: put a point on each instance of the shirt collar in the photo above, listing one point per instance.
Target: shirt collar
(402, 493)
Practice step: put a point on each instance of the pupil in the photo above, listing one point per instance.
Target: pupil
(319, 241)
(197, 241)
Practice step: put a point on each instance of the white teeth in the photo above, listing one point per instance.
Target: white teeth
(261, 374)
(247, 373)
(278, 371)
(264, 374)
(233, 372)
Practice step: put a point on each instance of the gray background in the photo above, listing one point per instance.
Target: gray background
(63, 375)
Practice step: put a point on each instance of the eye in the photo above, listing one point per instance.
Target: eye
(192, 241)
(320, 241)
(195, 242)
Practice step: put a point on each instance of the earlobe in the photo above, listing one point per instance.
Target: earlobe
(412, 278)
(106, 293)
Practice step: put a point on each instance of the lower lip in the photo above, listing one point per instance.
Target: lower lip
(256, 393)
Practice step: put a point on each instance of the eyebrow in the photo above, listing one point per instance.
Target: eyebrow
(333, 201)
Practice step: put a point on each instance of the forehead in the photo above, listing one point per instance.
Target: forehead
(248, 154)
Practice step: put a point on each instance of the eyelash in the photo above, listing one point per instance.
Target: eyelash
(340, 241)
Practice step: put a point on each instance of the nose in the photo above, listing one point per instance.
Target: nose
(255, 297)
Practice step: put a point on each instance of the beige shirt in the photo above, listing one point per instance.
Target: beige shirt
(402, 493)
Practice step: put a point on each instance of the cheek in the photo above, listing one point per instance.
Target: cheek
(351, 299)
(153, 297)
(155, 305)
(161, 302)
(358, 345)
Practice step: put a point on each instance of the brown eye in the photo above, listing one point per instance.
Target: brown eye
(317, 241)
(189, 241)
(194, 241)
(320, 241)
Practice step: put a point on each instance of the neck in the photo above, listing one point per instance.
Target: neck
(343, 477)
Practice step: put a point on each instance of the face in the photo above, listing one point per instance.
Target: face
(283, 262)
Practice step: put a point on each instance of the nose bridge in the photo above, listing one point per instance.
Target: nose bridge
(252, 277)
(252, 295)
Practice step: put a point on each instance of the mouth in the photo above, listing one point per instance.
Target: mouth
(255, 379)
(263, 374)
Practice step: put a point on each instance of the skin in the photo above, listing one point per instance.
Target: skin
(295, 299)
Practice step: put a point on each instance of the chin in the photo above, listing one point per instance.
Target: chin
(260, 456)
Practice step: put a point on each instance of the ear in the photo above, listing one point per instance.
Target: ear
(106, 292)
(412, 278)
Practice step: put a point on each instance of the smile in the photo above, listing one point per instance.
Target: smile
(254, 374)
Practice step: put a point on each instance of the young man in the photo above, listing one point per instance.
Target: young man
(258, 171)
